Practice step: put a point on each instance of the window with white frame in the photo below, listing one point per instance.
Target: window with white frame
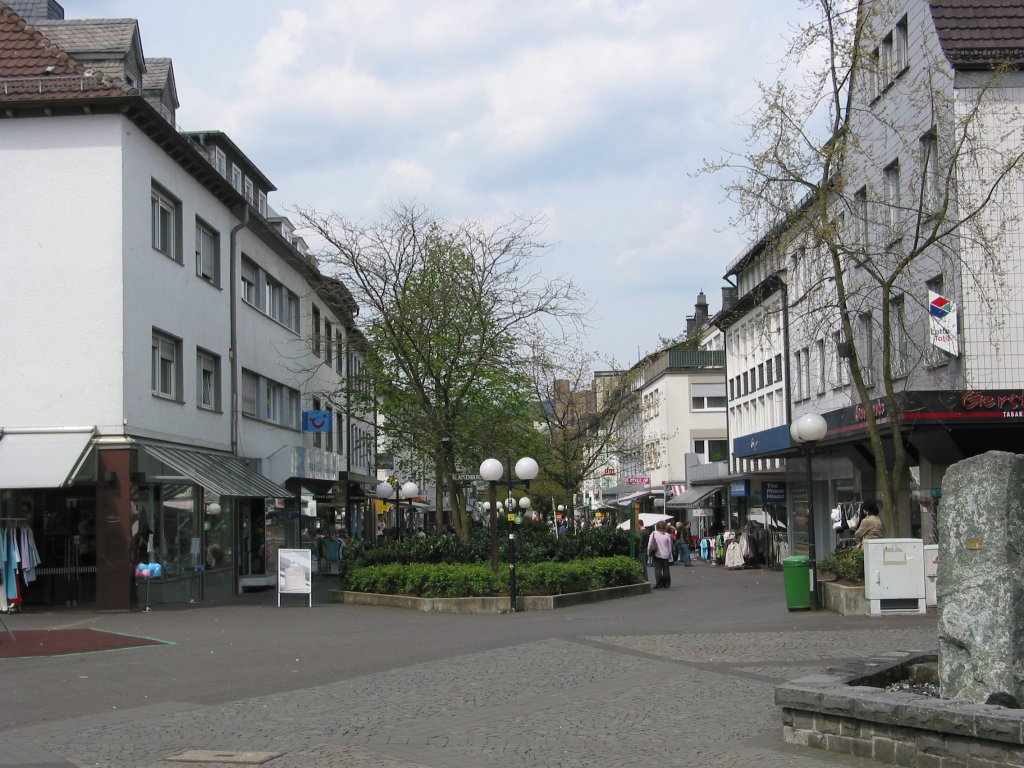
(236, 177)
(165, 375)
(208, 380)
(315, 331)
(269, 400)
(899, 47)
(893, 215)
(207, 253)
(328, 347)
(708, 397)
(250, 194)
(820, 360)
(900, 337)
(931, 180)
(317, 436)
(339, 353)
(280, 303)
(842, 370)
(866, 346)
(166, 222)
(711, 450)
(860, 222)
(248, 289)
(220, 161)
(250, 392)
(262, 204)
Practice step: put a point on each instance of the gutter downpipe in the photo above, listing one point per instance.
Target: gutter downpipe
(233, 349)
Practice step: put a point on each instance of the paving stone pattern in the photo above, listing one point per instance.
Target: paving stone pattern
(606, 700)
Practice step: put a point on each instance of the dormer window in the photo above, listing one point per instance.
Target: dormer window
(220, 161)
(263, 204)
(249, 192)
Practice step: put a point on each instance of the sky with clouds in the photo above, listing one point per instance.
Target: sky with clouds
(592, 114)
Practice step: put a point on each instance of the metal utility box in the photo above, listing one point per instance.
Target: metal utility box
(894, 575)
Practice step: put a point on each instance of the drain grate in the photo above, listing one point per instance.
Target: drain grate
(232, 757)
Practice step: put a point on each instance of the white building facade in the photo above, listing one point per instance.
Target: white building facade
(932, 126)
(170, 333)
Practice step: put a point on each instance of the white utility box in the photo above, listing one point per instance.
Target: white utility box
(894, 575)
(931, 574)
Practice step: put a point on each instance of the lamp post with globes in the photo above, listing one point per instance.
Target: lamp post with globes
(491, 470)
(385, 491)
(806, 431)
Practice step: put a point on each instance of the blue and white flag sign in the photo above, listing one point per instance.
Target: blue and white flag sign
(316, 421)
(942, 320)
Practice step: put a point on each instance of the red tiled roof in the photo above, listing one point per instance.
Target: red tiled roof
(980, 32)
(32, 68)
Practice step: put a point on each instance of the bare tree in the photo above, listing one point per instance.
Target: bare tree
(450, 308)
(869, 174)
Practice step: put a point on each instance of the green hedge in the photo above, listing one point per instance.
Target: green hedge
(534, 544)
(477, 580)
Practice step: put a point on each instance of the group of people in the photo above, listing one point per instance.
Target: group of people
(661, 547)
(668, 543)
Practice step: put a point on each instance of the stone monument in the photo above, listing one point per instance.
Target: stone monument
(981, 579)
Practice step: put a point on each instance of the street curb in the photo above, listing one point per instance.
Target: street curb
(500, 604)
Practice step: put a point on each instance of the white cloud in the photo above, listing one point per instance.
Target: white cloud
(588, 113)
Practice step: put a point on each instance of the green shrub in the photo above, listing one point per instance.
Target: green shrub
(847, 564)
(535, 543)
(476, 579)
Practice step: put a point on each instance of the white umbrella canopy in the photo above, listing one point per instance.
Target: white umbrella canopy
(648, 519)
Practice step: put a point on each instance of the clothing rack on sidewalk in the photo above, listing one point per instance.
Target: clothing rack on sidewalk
(7, 523)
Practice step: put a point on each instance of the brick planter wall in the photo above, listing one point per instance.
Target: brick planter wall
(833, 712)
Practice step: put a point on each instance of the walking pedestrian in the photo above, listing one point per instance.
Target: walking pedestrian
(660, 549)
(683, 543)
(645, 537)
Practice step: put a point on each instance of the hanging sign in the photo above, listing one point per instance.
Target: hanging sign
(942, 323)
(316, 421)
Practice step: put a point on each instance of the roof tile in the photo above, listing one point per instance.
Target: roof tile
(33, 68)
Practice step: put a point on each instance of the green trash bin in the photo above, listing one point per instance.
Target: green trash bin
(796, 578)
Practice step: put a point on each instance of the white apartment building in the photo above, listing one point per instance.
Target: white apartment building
(928, 87)
(165, 334)
(679, 422)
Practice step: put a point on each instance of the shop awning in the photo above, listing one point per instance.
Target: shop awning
(692, 497)
(41, 459)
(222, 474)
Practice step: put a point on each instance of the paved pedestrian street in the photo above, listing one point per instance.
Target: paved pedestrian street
(681, 677)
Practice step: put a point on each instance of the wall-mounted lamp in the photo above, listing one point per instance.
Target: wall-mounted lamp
(110, 477)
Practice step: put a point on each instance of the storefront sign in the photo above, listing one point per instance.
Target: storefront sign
(638, 481)
(773, 491)
(739, 488)
(942, 323)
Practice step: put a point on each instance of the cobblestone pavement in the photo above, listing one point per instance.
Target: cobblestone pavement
(575, 688)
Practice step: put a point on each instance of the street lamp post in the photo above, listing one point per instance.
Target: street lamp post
(491, 470)
(385, 491)
(806, 431)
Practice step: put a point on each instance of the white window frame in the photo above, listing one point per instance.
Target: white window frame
(220, 161)
(249, 276)
(249, 191)
(930, 177)
(262, 203)
(165, 214)
(165, 366)
(208, 396)
(207, 252)
(893, 214)
(236, 177)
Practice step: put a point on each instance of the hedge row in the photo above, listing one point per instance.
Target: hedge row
(477, 579)
(534, 544)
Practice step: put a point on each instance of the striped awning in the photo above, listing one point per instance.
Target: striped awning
(223, 474)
